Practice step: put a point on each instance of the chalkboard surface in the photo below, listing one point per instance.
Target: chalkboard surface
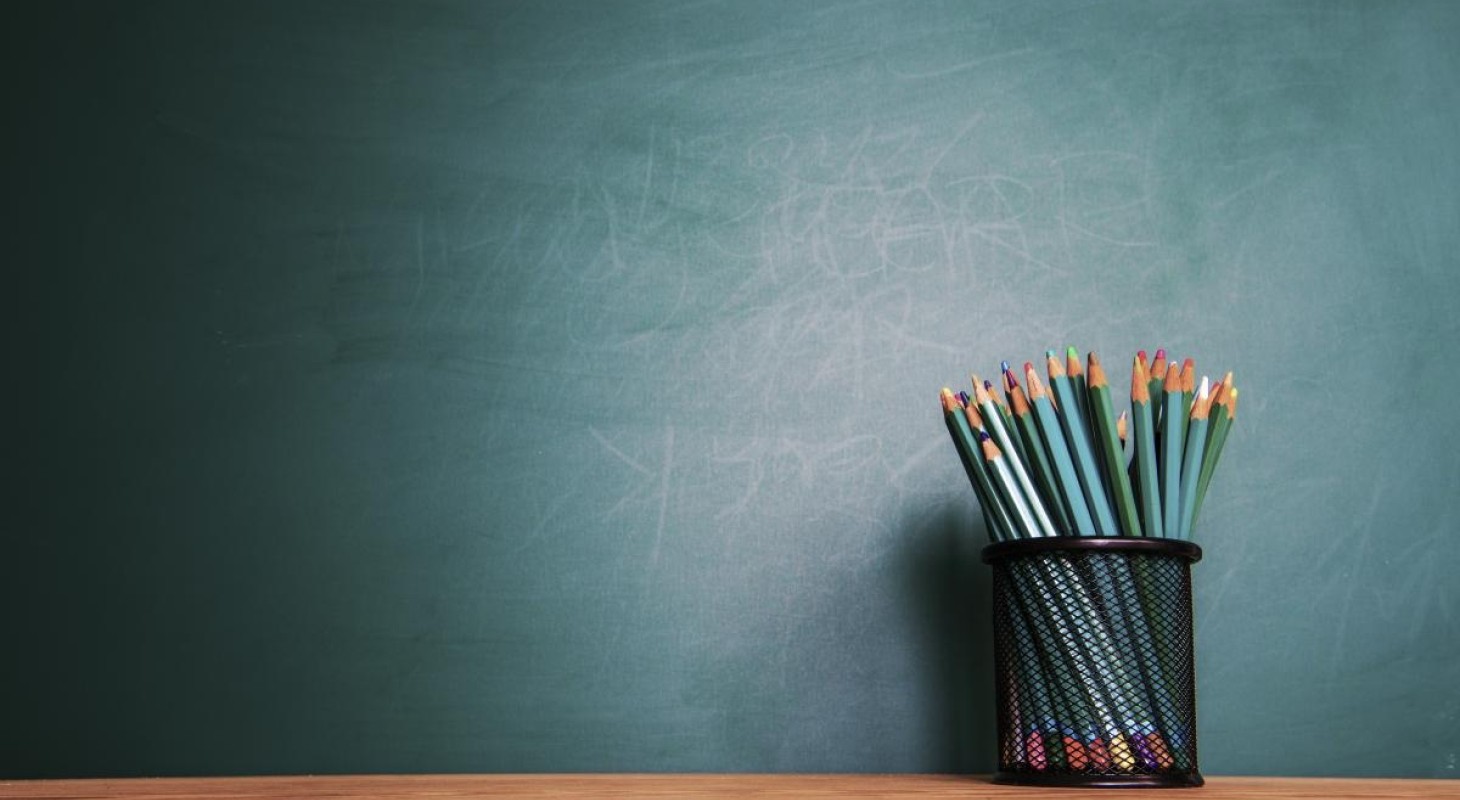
(434, 387)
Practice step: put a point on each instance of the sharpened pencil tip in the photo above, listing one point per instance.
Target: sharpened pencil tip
(1160, 354)
(1003, 366)
(1071, 352)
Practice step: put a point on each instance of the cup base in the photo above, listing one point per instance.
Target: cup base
(1166, 780)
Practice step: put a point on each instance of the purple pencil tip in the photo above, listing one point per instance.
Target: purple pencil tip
(983, 436)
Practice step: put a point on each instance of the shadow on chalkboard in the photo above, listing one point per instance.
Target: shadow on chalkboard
(950, 591)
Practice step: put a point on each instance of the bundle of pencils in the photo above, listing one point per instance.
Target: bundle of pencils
(1093, 687)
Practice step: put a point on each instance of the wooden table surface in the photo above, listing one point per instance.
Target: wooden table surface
(691, 787)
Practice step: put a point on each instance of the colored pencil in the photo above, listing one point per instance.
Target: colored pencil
(1044, 476)
(994, 419)
(1091, 686)
(1076, 435)
(1221, 428)
(1059, 455)
(1171, 447)
(1196, 443)
(1147, 480)
(1102, 410)
(1157, 377)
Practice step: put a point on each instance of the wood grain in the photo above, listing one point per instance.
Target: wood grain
(689, 787)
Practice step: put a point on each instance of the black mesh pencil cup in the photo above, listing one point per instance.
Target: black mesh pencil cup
(1093, 661)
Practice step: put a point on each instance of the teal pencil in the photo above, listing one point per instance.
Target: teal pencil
(1059, 455)
(1171, 447)
(1196, 442)
(1075, 435)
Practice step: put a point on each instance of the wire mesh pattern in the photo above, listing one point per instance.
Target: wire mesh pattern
(1093, 661)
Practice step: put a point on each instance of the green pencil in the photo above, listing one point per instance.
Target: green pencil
(1188, 389)
(1145, 460)
(1028, 431)
(1008, 488)
(1078, 384)
(1218, 440)
(1102, 409)
(993, 418)
(1157, 387)
(969, 426)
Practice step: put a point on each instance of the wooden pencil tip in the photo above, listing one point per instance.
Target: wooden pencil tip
(1097, 373)
(990, 450)
(1173, 378)
(1188, 375)
(980, 393)
(1056, 370)
(1019, 401)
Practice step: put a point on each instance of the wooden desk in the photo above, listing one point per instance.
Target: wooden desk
(695, 787)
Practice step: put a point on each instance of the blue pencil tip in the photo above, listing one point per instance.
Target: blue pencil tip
(983, 436)
(1003, 366)
(1049, 354)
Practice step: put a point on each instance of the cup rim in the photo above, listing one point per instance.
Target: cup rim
(1016, 548)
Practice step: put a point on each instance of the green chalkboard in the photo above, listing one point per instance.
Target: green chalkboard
(436, 387)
